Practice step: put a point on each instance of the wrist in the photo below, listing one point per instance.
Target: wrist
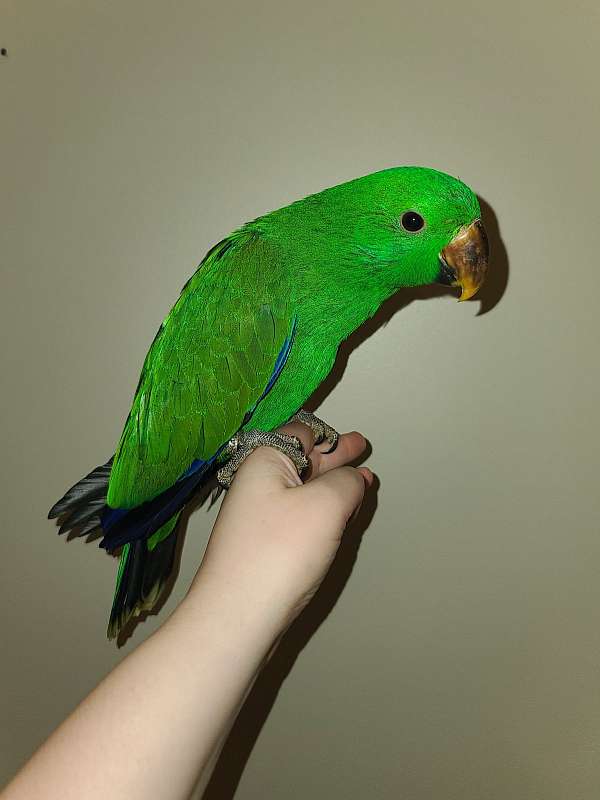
(231, 616)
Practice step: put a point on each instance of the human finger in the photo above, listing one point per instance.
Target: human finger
(350, 447)
(340, 490)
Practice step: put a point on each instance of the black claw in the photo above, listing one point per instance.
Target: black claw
(320, 429)
(332, 448)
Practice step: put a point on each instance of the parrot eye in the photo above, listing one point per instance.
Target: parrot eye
(412, 222)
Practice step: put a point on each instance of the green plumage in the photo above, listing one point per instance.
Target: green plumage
(324, 264)
(208, 364)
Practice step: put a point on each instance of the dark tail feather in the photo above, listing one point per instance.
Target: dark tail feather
(140, 580)
(84, 502)
(88, 512)
(143, 570)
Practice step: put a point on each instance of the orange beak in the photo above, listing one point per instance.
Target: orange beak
(464, 260)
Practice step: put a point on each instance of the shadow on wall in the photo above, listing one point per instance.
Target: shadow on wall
(497, 280)
(245, 732)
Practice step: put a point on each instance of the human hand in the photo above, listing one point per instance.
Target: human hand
(271, 546)
(275, 536)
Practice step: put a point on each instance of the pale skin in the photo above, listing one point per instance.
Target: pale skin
(156, 723)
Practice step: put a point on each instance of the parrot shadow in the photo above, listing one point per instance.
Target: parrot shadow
(496, 281)
(488, 296)
(257, 707)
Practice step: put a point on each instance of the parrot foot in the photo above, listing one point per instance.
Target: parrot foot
(321, 430)
(243, 443)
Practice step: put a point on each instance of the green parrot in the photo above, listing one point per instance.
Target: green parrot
(254, 332)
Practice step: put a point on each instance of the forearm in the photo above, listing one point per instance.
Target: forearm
(150, 728)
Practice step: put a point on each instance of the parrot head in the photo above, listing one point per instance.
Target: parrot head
(370, 237)
(422, 226)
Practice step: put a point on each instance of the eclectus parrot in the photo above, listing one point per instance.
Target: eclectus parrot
(254, 332)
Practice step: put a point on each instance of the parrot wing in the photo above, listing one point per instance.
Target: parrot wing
(213, 359)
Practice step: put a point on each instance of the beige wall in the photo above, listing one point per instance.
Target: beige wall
(462, 659)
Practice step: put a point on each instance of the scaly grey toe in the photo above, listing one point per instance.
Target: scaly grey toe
(243, 443)
(321, 430)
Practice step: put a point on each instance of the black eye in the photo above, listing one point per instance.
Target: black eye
(411, 221)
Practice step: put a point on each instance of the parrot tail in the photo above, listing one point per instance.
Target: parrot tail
(145, 564)
(144, 569)
(83, 505)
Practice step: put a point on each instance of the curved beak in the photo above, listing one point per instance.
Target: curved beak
(464, 260)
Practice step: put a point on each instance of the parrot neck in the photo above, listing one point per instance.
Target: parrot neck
(336, 308)
(335, 278)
